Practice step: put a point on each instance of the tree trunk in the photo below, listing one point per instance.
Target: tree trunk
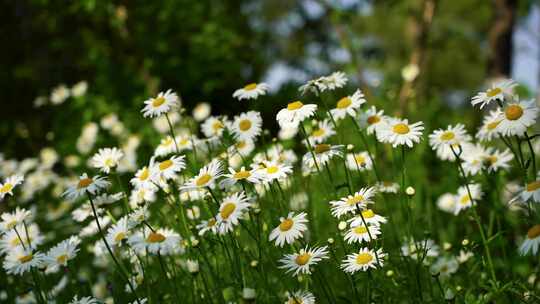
(500, 38)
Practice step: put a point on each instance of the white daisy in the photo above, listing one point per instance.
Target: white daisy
(142, 179)
(295, 113)
(84, 300)
(489, 130)
(372, 120)
(28, 237)
(86, 184)
(9, 184)
(118, 232)
(13, 219)
(253, 176)
(206, 177)
(531, 191)
(251, 91)
(289, 229)
(517, 117)
(333, 81)
(359, 161)
(209, 225)
(426, 248)
(231, 209)
(161, 104)
(495, 159)
(361, 233)
(348, 105)
(107, 159)
(60, 254)
(363, 260)
(301, 262)
(447, 202)
(323, 131)
(370, 217)
(349, 204)
(465, 201)
(163, 241)
(247, 126)
(473, 157)
(166, 146)
(139, 196)
(444, 140)
(272, 170)
(300, 297)
(201, 111)
(214, 126)
(397, 132)
(322, 154)
(387, 187)
(531, 242)
(167, 169)
(20, 261)
(444, 266)
(497, 92)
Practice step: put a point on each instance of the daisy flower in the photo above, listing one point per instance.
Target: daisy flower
(442, 141)
(301, 262)
(213, 126)
(532, 241)
(252, 176)
(350, 203)
(372, 120)
(107, 199)
(272, 170)
(20, 261)
(106, 159)
(447, 202)
(495, 159)
(28, 237)
(84, 300)
(206, 177)
(163, 241)
(166, 146)
(166, 169)
(230, 211)
(361, 233)
(85, 185)
(140, 196)
(444, 266)
(348, 105)
(242, 147)
(201, 111)
(333, 81)
(295, 113)
(517, 117)
(289, 229)
(251, 91)
(209, 225)
(497, 92)
(322, 154)
(13, 219)
(473, 157)
(387, 187)
(463, 199)
(489, 130)
(161, 104)
(531, 191)
(300, 297)
(359, 161)
(9, 184)
(142, 179)
(363, 260)
(324, 131)
(60, 254)
(118, 232)
(370, 217)
(247, 126)
(399, 132)
(427, 248)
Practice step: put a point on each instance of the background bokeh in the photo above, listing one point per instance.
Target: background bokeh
(127, 51)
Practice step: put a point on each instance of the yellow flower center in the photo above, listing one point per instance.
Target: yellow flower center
(85, 182)
(322, 148)
(302, 259)
(286, 225)
(218, 125)
(6, 188)
(401, 128)
(242, 175)
(164, 165)
(294, 105)
(272, 170)
(533, 186)
(155, 237)
(11, 224)
(513, 112)
(360, 230)
(203, 180)
(109, 162)
(227, 210)
(492, 159)
(184, 141)
(61, 259)
(493, 125)
(493, 92)
(344, 103)
(145, 173)
(168, 141)
(119, 237)
(250, 87)
(26, 258)
(363, 258)
(448, 135)
(158, 101)
(355, 200)
(465, 199)
(360, 159)
(368, 213)
(244, 125)
(318, 132)
(241, 144)
(373, 119)
(534, 232)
